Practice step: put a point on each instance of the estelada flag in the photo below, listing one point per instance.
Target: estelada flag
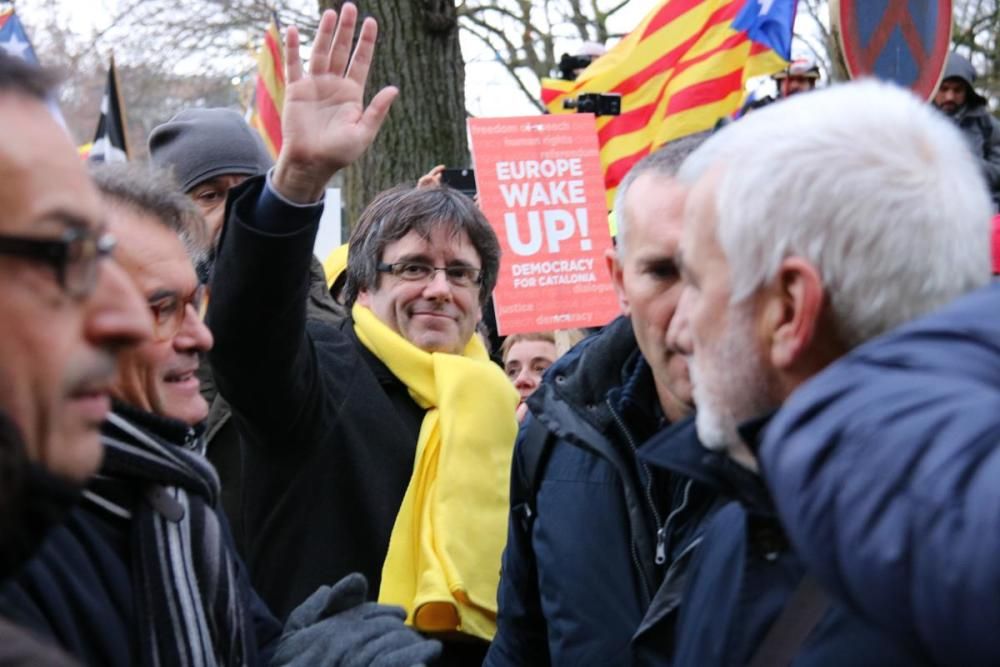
(14, 41)
(269, 96)
(681, 70)
(110, 143)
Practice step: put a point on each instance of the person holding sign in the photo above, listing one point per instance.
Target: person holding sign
(587, 540)
(389, 435)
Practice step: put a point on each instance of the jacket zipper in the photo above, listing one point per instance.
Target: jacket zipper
(646, 486)
(661, 534)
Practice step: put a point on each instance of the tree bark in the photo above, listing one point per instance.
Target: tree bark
(417, 51)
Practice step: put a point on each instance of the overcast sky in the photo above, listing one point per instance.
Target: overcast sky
(490, 90)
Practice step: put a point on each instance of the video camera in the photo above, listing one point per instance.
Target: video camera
(599, 104)
(569, 65)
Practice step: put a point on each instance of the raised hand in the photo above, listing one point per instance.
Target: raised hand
(325, 125)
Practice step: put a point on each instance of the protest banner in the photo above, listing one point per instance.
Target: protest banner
(541, 186)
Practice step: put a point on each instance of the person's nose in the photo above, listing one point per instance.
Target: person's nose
(679, 331)
(525, 379)
(438, 288)
(194, 335)
(117, 315)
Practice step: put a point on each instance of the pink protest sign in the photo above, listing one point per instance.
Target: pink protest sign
(541, 186)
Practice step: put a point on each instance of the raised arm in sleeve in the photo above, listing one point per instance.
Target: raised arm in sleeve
(263, 359)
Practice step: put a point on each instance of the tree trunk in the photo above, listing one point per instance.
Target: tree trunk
(417, 51)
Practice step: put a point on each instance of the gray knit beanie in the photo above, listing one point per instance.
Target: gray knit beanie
(199, 144)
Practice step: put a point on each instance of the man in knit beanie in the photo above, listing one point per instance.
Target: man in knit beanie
(208, 151)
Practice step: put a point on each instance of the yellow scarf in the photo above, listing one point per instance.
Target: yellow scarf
(443, 564)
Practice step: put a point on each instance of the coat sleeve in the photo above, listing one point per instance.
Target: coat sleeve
(262, 359)
(991, 155)
(521, 637)
(261, 622)
(884, 469)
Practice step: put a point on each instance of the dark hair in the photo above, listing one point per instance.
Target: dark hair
(153, 192)
(395, 213)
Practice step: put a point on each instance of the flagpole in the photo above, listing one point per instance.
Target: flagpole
(121, 107)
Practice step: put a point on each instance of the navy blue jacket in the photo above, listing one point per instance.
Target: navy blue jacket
(743, 573)
(577, 578)
(886, 470)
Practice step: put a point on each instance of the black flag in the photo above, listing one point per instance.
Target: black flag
(110, 144)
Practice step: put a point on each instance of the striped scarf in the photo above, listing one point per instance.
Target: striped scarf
(188, 605)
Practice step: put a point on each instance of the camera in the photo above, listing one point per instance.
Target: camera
(570, 65)
(599, 104)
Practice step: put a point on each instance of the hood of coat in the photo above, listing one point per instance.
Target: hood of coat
(605, 366)
(958, 67)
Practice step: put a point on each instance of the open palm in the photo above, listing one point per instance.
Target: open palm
(325, 125)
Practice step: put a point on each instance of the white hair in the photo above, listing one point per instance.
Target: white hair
(875, 188)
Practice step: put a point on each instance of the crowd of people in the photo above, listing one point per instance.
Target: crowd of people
(215, 450)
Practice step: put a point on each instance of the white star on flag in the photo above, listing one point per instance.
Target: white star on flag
(765, 6)
(15, 47)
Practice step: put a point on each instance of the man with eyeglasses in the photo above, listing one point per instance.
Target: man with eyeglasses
(389, 436)
(209, 151)
(148, 540)
(66, 312)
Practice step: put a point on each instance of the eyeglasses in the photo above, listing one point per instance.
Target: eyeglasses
(169, 312)
(458, 275)
(75, 256)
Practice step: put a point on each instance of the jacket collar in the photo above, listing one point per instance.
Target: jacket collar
(605, 366)
(677, 449)
(752, 430)
(379, 369)
(165, 428)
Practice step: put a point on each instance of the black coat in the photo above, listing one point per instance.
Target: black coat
(20, 648)
(225, 445)
(32, 503)
(329, 434)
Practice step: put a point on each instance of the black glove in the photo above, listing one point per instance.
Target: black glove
(336, 627)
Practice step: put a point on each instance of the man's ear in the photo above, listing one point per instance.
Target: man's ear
(792, 311)
(364, 298)
(617, 271)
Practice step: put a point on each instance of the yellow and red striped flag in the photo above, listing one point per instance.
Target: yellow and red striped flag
(681, 70)
(269, 97)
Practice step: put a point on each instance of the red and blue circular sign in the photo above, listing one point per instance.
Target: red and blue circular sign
(904, 41)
